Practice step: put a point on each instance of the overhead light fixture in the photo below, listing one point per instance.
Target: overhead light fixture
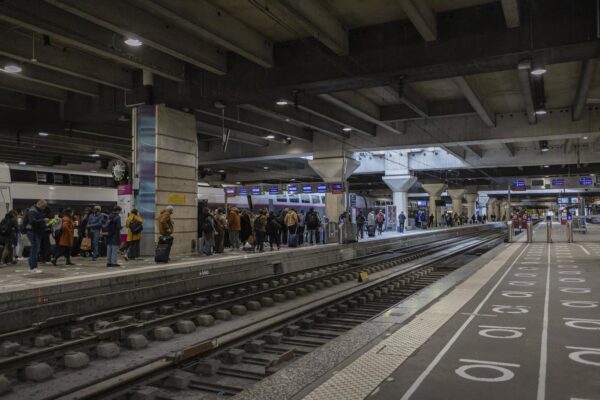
(22, 162)
(544, 146)
(265, 168)
(546, 166)
(287, 120)
(585, 138)
(538, 71)
(93, 170)
(541, 111)
(346, 129)
(270, 137)
(43, 134)
(133, 42)
(95, 155)
(282, 102)
(12, 68)
(51, 188)
(238, 183)
(292, 179)
(221, 171)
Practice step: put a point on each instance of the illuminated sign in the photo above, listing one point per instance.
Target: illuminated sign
(586, 181)
(563, 200)
(519, 183)
(422, 203)
(558, 182)
(256, 190)
(230, 191)
(293, 189)
(243, 191)
(337, 188)
(322, 188)
(306, 188)
(274, 190)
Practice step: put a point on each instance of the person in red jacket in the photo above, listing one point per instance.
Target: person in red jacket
(66, 238)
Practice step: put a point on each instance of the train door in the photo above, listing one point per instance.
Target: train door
(5, 200)
(202, 204)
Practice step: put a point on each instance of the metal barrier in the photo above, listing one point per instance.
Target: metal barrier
(529, 232)
(510, 232)
(569, 229)
(331, 233)
(549, 231)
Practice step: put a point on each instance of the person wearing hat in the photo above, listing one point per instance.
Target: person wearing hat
(165, 221)
(134, 224)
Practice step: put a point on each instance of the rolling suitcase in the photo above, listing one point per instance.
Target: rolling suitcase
(292, 240)
(371, 230)
(163, 249)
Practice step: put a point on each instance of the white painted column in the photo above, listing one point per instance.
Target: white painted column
(470, 198)
(434, 190)
(456, 195)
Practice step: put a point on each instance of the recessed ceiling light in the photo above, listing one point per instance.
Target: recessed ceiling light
(545, 149)
(538, 71)
(546, 166)
(44, 134)
(541, 111)
(265, 167)
(585, 138)
(281, 102)
(287, 120)
(12, 69)
(22, 162)
(293, 179)
(221, 171)
(449, 170)
(270, 137)
(346, 129)
(95, 155)
(93, 170)
(238, 183)
(133, 42)
(51, 188)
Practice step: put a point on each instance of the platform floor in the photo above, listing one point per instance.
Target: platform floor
(524, 326)
(17, 276)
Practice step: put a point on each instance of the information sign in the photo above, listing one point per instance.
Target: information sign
(230, 192)
(337, 188)
(243, 191)
(322, 188)
(256, 190)
(586, 181)
(292, 189)
(273, 189)
(422, 203)
(558, 182)
(306, 188)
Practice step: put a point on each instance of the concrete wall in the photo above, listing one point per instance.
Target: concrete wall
(177, 174)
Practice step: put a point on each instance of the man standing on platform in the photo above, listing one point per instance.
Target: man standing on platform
(35, 223)
(94, 226)
(235, 226)
(401, 220)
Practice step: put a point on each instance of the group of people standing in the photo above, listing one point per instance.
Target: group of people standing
(246, 230)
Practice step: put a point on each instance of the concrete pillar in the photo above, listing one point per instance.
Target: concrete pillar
(504, 210)
(434, 190)
(456, 195)
(498, 208)
(470, 198)
(491, 207)
(334, 170)
(165, 162)
(400, 184)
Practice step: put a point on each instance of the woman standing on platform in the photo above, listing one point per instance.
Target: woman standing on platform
(220, 225)
(8, 237)
(135, 225)
(66, 238)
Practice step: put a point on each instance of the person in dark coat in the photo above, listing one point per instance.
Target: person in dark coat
(246, 226)
(273, 230)
(401, 221)
(8, 237)
(112, 226)
(35, 222)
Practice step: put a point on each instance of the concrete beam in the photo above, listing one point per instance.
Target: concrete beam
(133, 21)
(439, 109)
(214, 25)
(527, 90)
(458, 152)
(508, 148)
(412, 100)
(345, 102)
(475, 151)
(41, 76)
(422, 17)
(253, 120)
(31, 88)
(73, 31)
(568, 145)
(486, 116)
(510, 8)
(237, 136)
(296, 116)
(588, 70)
(309, 17)
(15, 101)
(17, 45)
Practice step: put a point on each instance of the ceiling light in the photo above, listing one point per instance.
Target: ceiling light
(270, 137)
(265, 167)
(95, 155)
(221, 171)
(238, 183)
(51, 188)
(12, 69)
(585, 138)
(541, 111)
(282, 102)
(538, 71)
(93, 170)
(546, 166)
(293, 179)
(133, 42)
(287, 120)
(346, 129)
(22, 162)
(544, 145)
(43, 134)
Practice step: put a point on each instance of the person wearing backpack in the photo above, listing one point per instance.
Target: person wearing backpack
(312, 223)
(65, 238)
(207, 224)
(135, 226)
(360, 225)
(94, 225)
(112, 227)
(235, 225)
(8, 237)
(273, 230)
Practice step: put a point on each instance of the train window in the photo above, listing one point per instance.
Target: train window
(316, 199)
(305, 198)
(77, 180)
(110, 182)
(323, 199)
(281, 199)
(294, 198)
(97, 181)
(59, 179)
(42, 177)
(18, 175)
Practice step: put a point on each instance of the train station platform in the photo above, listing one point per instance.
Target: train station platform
(521, 324)
(26, 298)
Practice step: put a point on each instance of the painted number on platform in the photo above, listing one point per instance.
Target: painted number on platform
(469, 371)
(502, 309)
(583, 323)
(517, 294)
(579, 303)
(582, 355)
(500, 332)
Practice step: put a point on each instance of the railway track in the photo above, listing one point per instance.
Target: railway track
(122, 334)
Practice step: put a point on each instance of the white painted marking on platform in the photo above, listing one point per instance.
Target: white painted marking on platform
(541, 390)
(584, 250)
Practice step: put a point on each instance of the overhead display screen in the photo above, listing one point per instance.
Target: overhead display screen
(322, 188)
(293, 189)
(518, 183)
(230, 191)
(273, 189)
(586, 181)
(256, 190)
(306, 188)
(243, 191)
(422, 203)
(337, 188)
(558, 182)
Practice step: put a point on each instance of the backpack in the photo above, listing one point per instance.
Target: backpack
(207, 226)
(135, 226)
(4, 230)
(24, 223)
(311, 220)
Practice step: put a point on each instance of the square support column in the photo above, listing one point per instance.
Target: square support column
(400, 184)
(434, 190)
(456, 195)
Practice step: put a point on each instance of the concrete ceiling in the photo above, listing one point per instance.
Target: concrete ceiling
(397, 72)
